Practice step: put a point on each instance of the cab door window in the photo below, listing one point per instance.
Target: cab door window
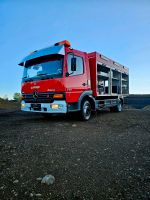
(79, 65)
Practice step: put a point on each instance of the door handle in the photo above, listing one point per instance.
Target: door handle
(84, 84)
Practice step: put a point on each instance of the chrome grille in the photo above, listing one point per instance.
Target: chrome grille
(38, 98)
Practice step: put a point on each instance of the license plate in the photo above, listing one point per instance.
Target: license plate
(36, 106)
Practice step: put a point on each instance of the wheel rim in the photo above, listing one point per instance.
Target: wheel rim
(120, 107)
(87, 110)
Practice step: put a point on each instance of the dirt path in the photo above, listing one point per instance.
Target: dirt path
(105, 158)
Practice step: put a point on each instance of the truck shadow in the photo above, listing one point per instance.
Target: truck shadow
(70, 117)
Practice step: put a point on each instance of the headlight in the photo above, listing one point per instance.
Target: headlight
(23, 104)
(56, 106)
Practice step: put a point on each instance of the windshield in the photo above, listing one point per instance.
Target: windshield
(44, 70)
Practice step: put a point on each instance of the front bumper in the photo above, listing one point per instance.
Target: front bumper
(46, 107)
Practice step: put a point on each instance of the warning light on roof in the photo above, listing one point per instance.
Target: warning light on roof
(66, 43)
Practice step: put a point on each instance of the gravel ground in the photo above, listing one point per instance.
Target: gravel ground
(107, 157)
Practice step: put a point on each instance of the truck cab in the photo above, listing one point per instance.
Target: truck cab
(54, 79)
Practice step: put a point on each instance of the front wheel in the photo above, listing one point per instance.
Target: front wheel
(85, 110)
(117, 108)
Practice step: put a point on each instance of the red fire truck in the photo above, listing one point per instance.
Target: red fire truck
(60, 79)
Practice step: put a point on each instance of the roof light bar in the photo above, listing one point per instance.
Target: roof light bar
(66, 43)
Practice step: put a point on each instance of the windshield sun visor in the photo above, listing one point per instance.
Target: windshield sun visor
(44, 52)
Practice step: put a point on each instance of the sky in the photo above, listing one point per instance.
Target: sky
(118, 29)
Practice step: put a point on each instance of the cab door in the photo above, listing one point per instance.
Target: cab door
(76, 80)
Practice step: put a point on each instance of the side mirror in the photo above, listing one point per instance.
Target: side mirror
(67, 74)
(73, 64)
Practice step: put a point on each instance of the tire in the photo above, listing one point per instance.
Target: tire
(117, 108)
(86, 110)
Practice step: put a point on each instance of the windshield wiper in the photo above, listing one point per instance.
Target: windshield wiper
(42, 74)
(26, 79)
(45, 77)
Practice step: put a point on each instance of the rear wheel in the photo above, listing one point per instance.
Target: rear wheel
(85, 110)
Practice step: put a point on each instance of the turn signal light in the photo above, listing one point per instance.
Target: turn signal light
(58, 96)
(66, 43)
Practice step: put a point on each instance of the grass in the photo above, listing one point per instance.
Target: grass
(5, 104)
